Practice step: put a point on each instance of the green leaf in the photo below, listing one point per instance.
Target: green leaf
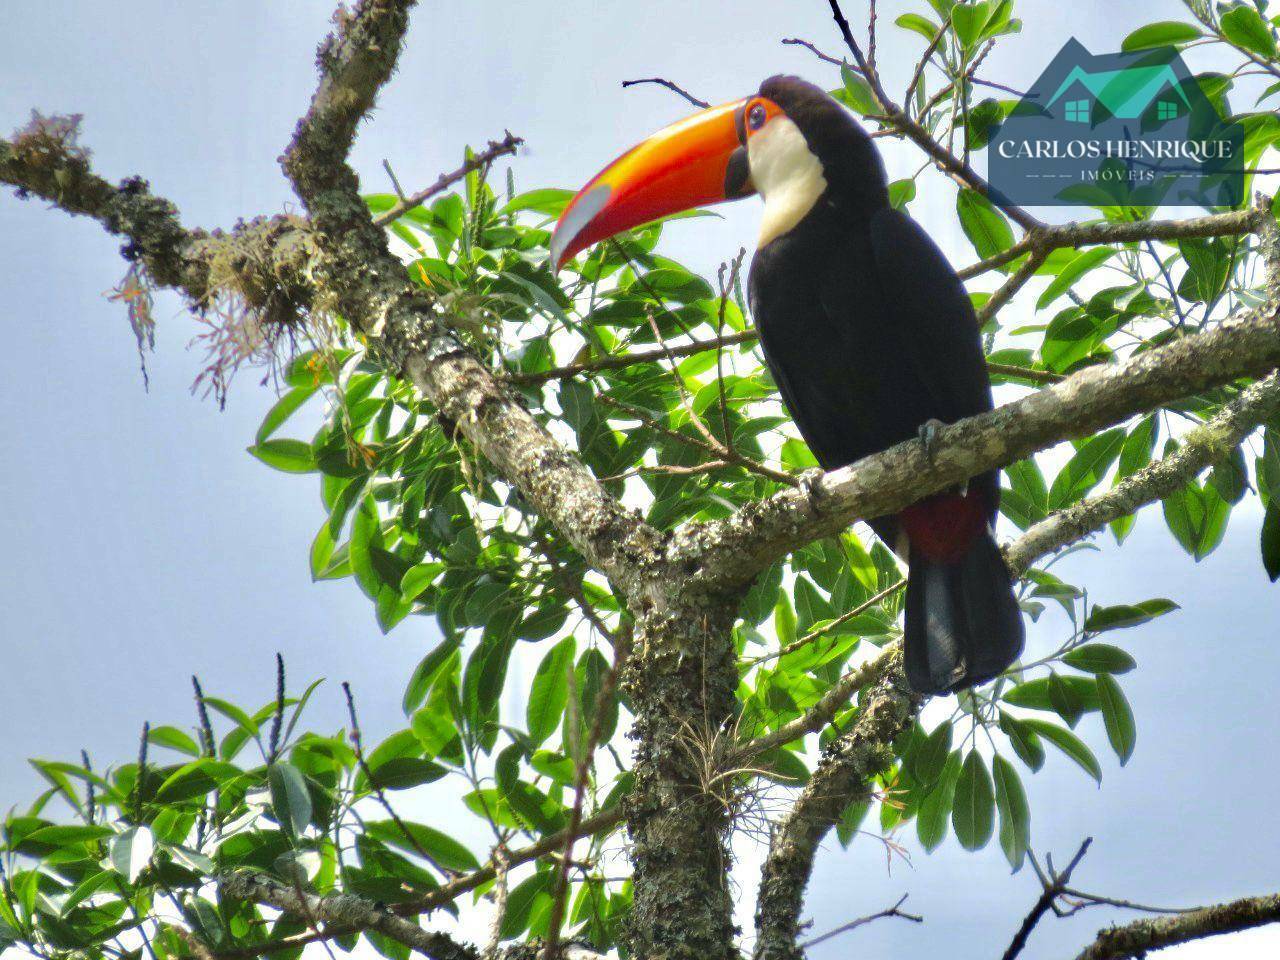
(858, 92)
(290, 800)
(919, 24)
(62, 836)
(1086, 468)
(1245, 28)
(401, 773)
(440, 847)
(417, 578)
(1126, 615)
(1134, 455)
(784, 620)
(233, 713)
(1117, 716)
(1023, 740)
(930, 758)
(1100, 658)
(426, 672)
(549, 201)
(1271, 539)
(1165, 33)
(973, 815)
(284, 408)
(968, 19)
(291, 456)
(1015, 812)
(549, 692)
(935, 808)
(1068, 743)
(1036, 695)
(1078, 267)
(85, 889)
(1066, 702)
(195, 779)
(520, 903)
(131, 851)
(174, 739)
(901, 192)
(1197, 517)
(983, 224)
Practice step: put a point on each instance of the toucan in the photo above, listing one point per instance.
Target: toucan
(864, 325)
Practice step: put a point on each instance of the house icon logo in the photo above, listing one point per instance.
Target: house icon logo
(1117, 130)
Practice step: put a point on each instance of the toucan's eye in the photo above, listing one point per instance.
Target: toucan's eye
(756, 116)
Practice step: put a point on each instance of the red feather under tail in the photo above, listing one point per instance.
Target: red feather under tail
(942, 527)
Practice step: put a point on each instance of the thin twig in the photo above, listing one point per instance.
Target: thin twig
(395, 183)
(1054, 883)
(560, 894)
(500, 892)
(863, 921)
(650, 420)
(871, 45)
(624, 360)
(835, 624)
(358, 744)
(630, 359)
(496, 148)
(1011, 286)
(724, 302)
(824, 57)
(674, 88)
(924, 59)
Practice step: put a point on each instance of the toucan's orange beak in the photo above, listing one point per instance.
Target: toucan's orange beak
(694, 163)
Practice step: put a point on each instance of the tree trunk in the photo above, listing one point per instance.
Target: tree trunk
(681, 682)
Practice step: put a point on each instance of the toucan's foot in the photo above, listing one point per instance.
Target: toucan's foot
(811, 485)
(929, 437)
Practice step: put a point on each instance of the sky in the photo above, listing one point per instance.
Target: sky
(143, 544)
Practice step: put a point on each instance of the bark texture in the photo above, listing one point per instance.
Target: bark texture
(843, 776)
(682, 681)
(1155, 933)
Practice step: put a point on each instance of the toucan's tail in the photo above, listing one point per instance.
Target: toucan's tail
(963, 624)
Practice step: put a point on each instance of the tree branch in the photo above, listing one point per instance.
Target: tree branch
(496, 148)
(274, 266)
(1054, 884)
(347, 913)
(735, 549)
(842, 777)
(432, 900)
(1201, 448)
(674, 88)
(1198, 450)
(371, 289)
(897, 118)
(1048, 238)
(1155, 933)
(622, 360)
(894, 911)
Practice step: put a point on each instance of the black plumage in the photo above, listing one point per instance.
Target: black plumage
(870, 334)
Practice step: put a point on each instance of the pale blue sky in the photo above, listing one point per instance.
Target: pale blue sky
(143, 544)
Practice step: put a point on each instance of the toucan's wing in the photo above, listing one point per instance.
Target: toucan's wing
(824, 366)
(932, 315)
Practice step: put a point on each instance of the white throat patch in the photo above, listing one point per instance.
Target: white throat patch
(787, 175)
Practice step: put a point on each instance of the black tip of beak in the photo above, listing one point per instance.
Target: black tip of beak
(737, 176)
